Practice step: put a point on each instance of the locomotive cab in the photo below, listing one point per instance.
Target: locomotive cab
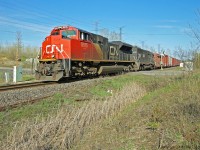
(55, 56)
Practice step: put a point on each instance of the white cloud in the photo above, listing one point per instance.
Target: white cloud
(170, 21)
(164, 26)
(185, 30)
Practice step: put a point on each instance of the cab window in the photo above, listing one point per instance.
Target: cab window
(55, 33)
(84, 36)
(68, 34)
(112, 50)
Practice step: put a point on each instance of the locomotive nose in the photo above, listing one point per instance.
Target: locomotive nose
(48, 47)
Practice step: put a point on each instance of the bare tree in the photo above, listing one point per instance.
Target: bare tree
(104, 32)
(195, 29)
(112, 36)
(195, 46)
(180, 53)
(18, 45)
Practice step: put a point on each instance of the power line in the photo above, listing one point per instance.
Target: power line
(27, 26)
(157, 34)
(43, 13)
(51, 15)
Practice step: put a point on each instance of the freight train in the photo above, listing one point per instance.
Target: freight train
(72, 52)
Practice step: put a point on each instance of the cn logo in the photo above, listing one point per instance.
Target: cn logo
(51, 48)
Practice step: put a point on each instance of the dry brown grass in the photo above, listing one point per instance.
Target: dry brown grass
(167, 118)
(70, 124)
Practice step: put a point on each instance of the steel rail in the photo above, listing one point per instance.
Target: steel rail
(23, 85)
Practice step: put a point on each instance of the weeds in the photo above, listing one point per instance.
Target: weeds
(165, 118)
(177, 112)
(108, 87)
(68, 126)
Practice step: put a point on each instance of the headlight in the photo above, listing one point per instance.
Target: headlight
(53, 56)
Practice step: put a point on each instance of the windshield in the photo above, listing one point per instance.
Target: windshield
(68, 33)
(55, 33)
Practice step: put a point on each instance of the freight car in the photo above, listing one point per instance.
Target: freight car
(157, 60)
(73, 52)
(175, 62)
(165, 61)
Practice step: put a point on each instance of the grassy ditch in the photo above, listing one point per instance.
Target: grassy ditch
(39, 110)
(50, 106)
(61, 121)
(165, 118)
(110, 86)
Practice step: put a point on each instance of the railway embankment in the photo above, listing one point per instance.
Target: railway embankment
(167, 117)
(127, 111)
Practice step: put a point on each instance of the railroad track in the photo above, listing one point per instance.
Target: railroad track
(23, 85)
(39, 83)
(24, 101)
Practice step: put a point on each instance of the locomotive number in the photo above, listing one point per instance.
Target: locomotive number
(51, 48)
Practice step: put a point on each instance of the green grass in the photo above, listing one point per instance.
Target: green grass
(41, 109)
(28, 77)
(48, 105)
(24, 78)
(168, 117)
(174, 109)
(115, 84)
(51, 105)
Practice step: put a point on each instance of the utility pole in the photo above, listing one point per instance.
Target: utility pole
(159, 48)
(143, 43)
(17, 70)
(120, 33)
(161, 63)
(161, 57)
(19, 46)
(96, 27)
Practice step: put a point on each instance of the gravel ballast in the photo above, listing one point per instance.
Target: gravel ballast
(34, 93)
